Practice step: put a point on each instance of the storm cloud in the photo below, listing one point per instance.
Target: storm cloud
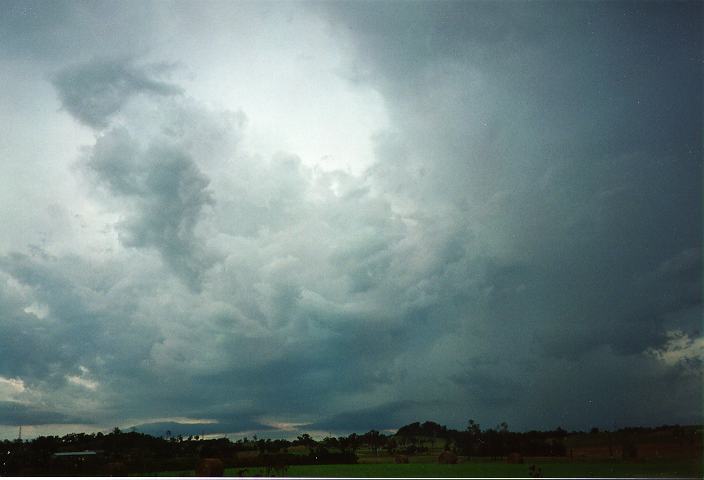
(342, 216)
(14, 413)
(94, 91)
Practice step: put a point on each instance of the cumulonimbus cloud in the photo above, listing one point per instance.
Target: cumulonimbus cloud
(506, 247)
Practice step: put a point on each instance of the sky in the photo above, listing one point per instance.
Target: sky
(277, 217)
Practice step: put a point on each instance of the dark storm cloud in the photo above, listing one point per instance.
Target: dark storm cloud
(387, 416)
(560, 88)
(165, 192)
(488, 387)
(97, 313)
(87, 346)
(92, 92)
(15, 413)
(567, 137)
(525, 245)
(311, 367)
(33, 345)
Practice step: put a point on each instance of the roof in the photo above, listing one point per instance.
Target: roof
(75, 454)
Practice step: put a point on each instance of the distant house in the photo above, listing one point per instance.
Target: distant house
(83, 453)
(84, 462)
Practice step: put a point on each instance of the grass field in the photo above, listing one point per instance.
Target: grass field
(661, 468)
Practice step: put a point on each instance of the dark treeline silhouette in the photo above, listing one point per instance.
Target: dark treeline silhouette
(121, 453)
(492, 442)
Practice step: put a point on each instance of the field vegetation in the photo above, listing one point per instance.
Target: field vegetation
(418, 450)
(481, 469)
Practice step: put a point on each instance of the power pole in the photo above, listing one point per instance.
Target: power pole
(19, 437)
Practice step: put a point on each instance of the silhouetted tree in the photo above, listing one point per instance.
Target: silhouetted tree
(373, 440)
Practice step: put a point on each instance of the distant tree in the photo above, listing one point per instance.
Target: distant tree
(503, 439)
(306, 440)
(391, 446)
(353, 441)
(410, 430)
(471, 438)
(373, 440)
(331, 442)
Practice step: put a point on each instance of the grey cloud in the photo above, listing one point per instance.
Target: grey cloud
(640, 311)
(488, 387)
(501, 103)
(293, 380)
(83, 303)
(33, 27)
(60, 32)
(15, 413)
(42, 346)
(633, 386)
(165, 192)
(151, 164)
(684, 267)
(524, 235)
(387, 416)
(305, 346)
(94, 91)
(536, 123)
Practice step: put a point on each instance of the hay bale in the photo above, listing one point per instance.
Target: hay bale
(535, 472)
(210, 467)
(400, 459)
(115, 469)
(514, 458)
(447, 457)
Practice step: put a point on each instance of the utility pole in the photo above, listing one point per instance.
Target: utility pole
(19, 437)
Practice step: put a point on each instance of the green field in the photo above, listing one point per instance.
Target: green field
(672, 468)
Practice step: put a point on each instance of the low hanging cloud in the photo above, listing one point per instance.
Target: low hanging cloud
(386, 416)
(16, 413)
(164, 194)
(94, 91)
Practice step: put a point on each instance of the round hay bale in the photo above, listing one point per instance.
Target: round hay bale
(116, 469)
(447, 457)
(514, 458)
(401, 459)
(210, 467)
(535, 472)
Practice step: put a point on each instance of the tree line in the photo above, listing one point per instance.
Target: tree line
(139, 452)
